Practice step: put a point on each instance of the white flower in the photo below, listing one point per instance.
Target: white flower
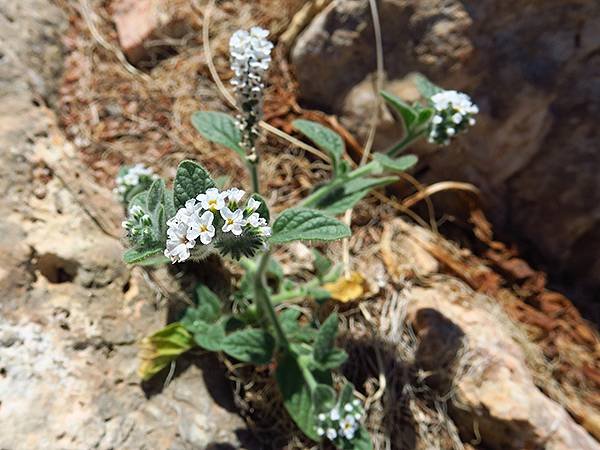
(334, 414)
(348, 427)
(252, 205)
(453, 114)
(212, 199)
(356, 402)
(234, 221)
(235, 195)
(320, 431)
(178, 245)
(331, 434)
(265, 231)
(348, 407)
(256, 221)
(321, 417)
(201, 226)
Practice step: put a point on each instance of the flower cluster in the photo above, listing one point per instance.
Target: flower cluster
(454, 112)
(138, 225)
(341, 423)
(250, 54)
(217, 221)
(132, 177)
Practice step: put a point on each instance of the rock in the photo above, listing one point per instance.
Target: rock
(465, 343)
(139, 22)
(71, 312)
(530, 67)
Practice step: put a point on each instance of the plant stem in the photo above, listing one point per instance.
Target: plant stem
(404, 143)
(253, 167)
(264, 302)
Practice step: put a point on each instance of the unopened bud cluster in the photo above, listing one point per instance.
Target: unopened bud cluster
(454, 113)
(139, 226)
(341, 423)
(216, 221)
(250, 55)
(132, 177)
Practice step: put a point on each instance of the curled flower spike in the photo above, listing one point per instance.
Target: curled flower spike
(139, 226)
(454, 113)
(250, 56)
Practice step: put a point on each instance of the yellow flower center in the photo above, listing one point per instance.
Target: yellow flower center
(229, 221)
(212, 203)
(203, 228)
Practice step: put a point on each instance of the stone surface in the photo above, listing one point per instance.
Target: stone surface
(529, 65)
(71, 313)
(140, 22)
(464, 341)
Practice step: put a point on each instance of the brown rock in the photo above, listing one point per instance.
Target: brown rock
(466, 343)
(139, 22)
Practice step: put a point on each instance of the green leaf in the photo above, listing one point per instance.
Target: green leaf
(140, 199)
(251, 346)
(426, 87)
(297, 397)
(321, 263)
(155, 195)
(209, 336)
(263, 209)
(401, 164)
(191, 179)
(220, 128)
(424, 116)
(347, 394)
(159, 224)
(299, 224)
(149, 257)
(324, 138)
(208, 303)
(325, 341)
(323, 398)
(170, 209)
(407, 112)
(345, 196)
(334, 359)
(163, 347)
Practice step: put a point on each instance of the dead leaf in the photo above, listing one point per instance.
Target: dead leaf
(347, 289)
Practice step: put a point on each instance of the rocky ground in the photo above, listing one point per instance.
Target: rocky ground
(472, 340)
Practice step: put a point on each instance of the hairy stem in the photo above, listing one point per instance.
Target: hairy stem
(264, 301)
(404, 143)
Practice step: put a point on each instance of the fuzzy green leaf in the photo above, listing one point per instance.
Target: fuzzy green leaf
(155, 195)
(345, 196)
(407, 113)
(208, 303)
(322, 263)
(323, 398)
(140, 199)
(401, 164)
(324, 138)
(251, 346)
(297, 397)
(191, 179)
(299, 224)
(424, 116)
(426, 87)
(148, 257)
(170, 209)
(334, 359)
(325, 341)
(209, 336)
(163, 347)
(220, 128)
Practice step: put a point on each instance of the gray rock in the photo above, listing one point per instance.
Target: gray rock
(71, 313)
(531, 68)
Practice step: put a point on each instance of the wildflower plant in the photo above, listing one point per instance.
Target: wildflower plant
(132, 180)
(195, 219)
